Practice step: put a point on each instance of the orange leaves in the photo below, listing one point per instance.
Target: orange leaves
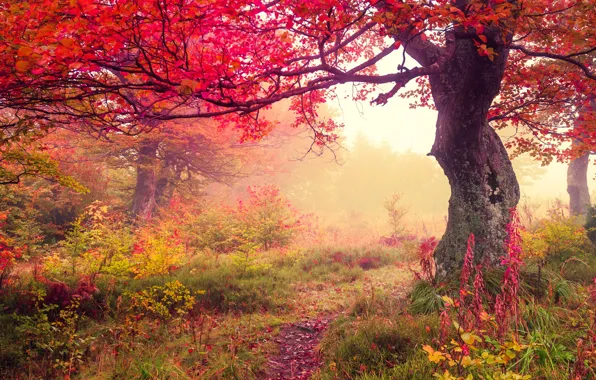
(485, 51)
(22, 66)
(24, 51)
(188, 86)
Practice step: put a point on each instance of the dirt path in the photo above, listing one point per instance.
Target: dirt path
(298, 357)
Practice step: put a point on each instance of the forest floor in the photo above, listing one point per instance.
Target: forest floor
(322, 314)
(262, 319)
(298, 353)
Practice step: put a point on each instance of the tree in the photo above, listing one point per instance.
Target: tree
(176, 156)
(577, 173)
(179, 154)
(227, 60)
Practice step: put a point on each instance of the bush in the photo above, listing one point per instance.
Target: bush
(590, 225)
(267, 218)
(561, 245)
(8, 256)
(425, 298)
(12, 352)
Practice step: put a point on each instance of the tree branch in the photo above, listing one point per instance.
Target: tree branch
(566, 58)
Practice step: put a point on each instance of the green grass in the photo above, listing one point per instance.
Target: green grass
(377, 347)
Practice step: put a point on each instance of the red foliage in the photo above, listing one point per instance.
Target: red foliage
(97, 52)
(470, 303)
(369, 262)
(426, 259)
(466, 270)
(506, 303)
(61, 294)
(477, 304)
(445, 325)
(338, 257)
(8, 254)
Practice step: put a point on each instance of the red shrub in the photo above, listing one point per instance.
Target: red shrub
(369, 262)
(426, 259)
(338, 257)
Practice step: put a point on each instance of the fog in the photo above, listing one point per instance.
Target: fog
(381, 151)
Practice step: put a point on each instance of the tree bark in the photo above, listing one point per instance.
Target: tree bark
(577, 172)
(165, 185)
(143, 203)
(483, 185)
(577, 185)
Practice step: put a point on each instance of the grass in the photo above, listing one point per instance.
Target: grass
(382, 319)
(237, 317)
(377, 347)
(425, 298)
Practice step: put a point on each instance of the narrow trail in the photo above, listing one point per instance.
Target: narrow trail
(298, 357)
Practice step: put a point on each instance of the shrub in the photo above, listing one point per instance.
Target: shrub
(157, 255)
(12, 353)
(99, 242)
(556, 239)
(395, 214)
(369, 262)
(212, 228)
(561, 245)
(425, 298)
(8, 256)
(170, 301)
(590, 225)
(57, 340)
(267, 218)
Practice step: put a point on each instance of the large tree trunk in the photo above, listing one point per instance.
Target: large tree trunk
(143, 203)
(483, 185)
(577, 185)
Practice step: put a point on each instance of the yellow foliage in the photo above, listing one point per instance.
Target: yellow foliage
(165, 302)
(159, 256)
(555, 235)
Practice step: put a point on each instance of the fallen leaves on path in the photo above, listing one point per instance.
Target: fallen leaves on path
(298, 357)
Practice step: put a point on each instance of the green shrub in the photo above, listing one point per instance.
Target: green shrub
(12, 352)
(590, 225)
(425, 298)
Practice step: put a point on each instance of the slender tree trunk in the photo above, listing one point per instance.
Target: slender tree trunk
(577, 172)
(143, 203)
(483, 185)
(577, 185)
(166, 184)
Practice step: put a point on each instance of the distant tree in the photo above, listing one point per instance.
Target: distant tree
(577, 173)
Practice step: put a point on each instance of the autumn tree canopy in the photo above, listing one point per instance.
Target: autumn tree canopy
(124, 66)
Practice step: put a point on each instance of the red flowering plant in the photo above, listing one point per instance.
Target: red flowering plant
(479, 347)
(506, 303)
(426, 260)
